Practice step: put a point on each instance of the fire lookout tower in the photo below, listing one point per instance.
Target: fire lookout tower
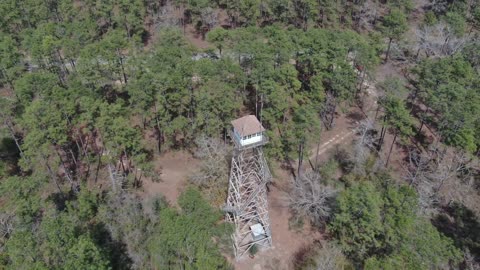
(247, 206)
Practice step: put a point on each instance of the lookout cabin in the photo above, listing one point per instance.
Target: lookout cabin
(248, 132)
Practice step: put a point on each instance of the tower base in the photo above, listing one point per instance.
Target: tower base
(247, 206)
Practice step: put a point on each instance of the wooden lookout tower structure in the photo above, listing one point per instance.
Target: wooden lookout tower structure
(247, 206)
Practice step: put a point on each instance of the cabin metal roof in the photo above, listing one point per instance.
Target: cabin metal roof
(247, 125)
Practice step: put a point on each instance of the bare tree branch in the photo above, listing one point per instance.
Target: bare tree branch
(212, 177)
(310, 198)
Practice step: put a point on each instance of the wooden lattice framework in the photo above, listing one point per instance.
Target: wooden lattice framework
(247, 198)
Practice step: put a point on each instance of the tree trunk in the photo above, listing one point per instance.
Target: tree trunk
(361, 82)
(112, 177)
(391, 148)
(418, 53)
(301, 147)
(316, 154)
(12, 134)
(159, 130)
(72, 62)
(332, 115)
(256, 102)
(380, 140)
(69, 177)
(73, 157)
(376, 112)
(388, 49)
(382, 134)
(84, 144)
(421, 126)
(52, 175)
(99, 163)
(122, 66)
(261, 108)
(60, 58)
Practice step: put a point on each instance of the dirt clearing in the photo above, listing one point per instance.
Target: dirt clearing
(286, 242)
(174, 168)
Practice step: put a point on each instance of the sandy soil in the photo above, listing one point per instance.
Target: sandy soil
(286, 242)
(341, 135)
(174, 168)
(195, 38)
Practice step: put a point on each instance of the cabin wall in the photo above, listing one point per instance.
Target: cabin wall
(253, 139)
(247, 140)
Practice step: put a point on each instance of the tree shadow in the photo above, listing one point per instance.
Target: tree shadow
(145, 37)
(304, 257)
(116, 250)
(10, 154)
(60, 199)
(355, 116)
(462, 225)
(8, 148)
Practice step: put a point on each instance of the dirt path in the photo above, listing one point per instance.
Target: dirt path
(340, 138)
(346, 125)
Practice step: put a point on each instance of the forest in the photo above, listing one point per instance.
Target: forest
(372, 110)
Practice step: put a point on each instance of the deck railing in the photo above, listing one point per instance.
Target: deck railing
(241, 147)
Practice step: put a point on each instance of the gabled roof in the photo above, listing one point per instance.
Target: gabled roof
(247, 125)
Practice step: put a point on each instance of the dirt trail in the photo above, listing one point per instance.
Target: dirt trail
(340, 138)
(287, 242)
(346, 125)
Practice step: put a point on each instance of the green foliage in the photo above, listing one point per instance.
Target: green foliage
(53, 240)
(88, 89)
(184, 239)
(449, 87)
(218, 36)
(358, 234)
(86, 204)
(398, 117)
(430, 18)
(424, 248)
(125, 224)
(475, 20)
(457, 22)
(406, 5)
(253, 250)
(377, 225)
(22, 197)
(21, 252)
(85, 255)
(462, 225)
(394, 24)
(9, 59)
(86, 234)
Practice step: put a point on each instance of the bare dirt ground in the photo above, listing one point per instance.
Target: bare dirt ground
(344, 131)
(340, 135)
(174, 168)
(195, 38)
(286, 242)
